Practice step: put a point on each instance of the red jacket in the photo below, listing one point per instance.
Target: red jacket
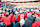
(5, 13)
(0, 18)
(35, 24)
(26, 14)
(13, 18)
(20, 16)
(6, 20)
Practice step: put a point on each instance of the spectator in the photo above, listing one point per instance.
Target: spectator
(30, 20)
(5, 12)
(38, 18)
(36, 24)
(21, 24)
(6, 19)
(13, 19)
(20, 16)
(1, 15)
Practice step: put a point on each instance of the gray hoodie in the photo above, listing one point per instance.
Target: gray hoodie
(29, 21)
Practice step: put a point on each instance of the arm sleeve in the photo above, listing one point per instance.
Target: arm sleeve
(2, 19)
(10, 16)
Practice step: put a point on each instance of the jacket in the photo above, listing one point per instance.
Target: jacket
(20, 16)
(36, 24)
(6, 20)
(29, 21)
(13, 18)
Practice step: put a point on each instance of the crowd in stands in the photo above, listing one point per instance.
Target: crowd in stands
(19, 18)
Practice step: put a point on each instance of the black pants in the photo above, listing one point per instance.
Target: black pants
(15, 21)
(8, 26)
(11, 24)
